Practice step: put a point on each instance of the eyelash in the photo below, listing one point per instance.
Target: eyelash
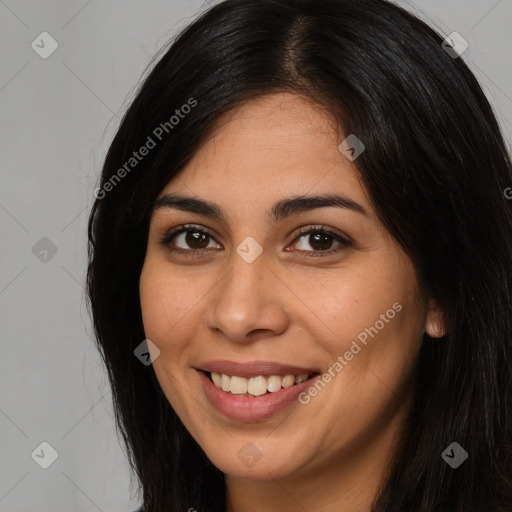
(168, 237)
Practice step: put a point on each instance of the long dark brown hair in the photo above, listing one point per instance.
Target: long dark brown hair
(436, 168)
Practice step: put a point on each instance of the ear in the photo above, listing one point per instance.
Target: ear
(434, 324)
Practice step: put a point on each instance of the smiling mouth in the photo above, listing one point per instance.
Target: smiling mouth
(258, 385)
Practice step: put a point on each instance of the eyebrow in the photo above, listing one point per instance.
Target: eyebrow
(282, 209)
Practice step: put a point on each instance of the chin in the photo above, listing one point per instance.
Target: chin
(248, 461)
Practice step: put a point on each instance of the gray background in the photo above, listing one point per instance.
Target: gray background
(58, 116)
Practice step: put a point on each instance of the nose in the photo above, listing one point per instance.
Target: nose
(248, 302)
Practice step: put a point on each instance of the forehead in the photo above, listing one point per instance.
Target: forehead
(269, 148)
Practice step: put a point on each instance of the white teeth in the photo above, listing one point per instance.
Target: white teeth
(225, 382)
(301, 378)
(274, 383)
(217, 379)
(288, 381)
(256, 386)
(238, 385)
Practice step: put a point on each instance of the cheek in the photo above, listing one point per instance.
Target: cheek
(165, 302)
(371, 346)
(342, 304)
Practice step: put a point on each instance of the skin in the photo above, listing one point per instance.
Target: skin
(330, 454)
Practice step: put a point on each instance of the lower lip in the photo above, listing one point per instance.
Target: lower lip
(246, 408)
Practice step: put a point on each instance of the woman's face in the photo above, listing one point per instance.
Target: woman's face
(243, 293)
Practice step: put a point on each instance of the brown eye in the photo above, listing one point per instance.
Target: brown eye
(196, 239)
(319, 240)
(187, 239)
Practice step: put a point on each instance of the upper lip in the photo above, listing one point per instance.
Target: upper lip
(253, 369)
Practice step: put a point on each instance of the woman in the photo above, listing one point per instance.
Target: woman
(301, 224)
